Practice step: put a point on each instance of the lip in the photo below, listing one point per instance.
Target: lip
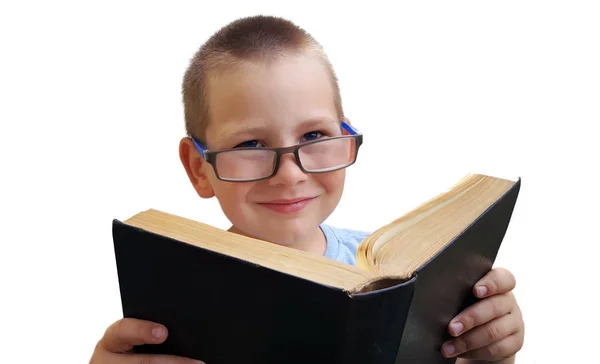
(287, 205)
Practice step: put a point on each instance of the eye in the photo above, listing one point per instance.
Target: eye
(313, 135)
(250, 144)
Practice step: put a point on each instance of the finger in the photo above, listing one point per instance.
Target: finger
(123, 334)
(482, 312)
(149, 359)
(481, 336)
(496, 281)
(499, 350)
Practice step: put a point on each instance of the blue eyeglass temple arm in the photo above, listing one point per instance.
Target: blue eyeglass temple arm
(201, 149)
(349, 128)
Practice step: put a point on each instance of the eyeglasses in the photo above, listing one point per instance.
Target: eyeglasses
(254, 164)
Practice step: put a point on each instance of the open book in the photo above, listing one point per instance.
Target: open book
(226, 298)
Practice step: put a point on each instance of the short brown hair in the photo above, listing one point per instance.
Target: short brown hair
(261, 38)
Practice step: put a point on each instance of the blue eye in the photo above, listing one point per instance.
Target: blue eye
(313, 135)
(249, 144)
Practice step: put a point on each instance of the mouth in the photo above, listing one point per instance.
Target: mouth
(288, 205)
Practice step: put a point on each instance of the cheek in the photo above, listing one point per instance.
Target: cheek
(332, 182)
(231, 196)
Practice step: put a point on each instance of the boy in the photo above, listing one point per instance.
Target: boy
(263, 82)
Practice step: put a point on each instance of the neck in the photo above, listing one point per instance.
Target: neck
(314, 243)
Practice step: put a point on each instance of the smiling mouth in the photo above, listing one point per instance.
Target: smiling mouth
(288, 206)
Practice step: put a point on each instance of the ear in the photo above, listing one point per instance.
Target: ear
(195, 167)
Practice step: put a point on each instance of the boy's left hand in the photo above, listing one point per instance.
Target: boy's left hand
(491, 329)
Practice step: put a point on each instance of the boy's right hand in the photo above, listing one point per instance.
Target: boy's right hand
(120, 337)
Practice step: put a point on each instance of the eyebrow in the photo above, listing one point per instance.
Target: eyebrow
(316, 122)
(237, 131)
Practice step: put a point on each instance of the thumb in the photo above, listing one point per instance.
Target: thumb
(123, 334)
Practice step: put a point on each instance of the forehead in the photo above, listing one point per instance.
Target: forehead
(281, 96)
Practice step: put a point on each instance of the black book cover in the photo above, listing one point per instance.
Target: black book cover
(224, 310)
(444, 285)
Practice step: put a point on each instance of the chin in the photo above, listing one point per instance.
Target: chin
(288, 231)
(280, 231)
(281, 228)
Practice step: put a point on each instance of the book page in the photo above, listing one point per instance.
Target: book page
(284, 259)
(402, 246)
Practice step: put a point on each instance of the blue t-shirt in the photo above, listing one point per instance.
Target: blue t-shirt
(342, 243)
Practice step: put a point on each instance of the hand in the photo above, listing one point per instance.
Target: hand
(491, 329)
(122, 335)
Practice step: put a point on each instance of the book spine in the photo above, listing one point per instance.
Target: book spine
(375, 325)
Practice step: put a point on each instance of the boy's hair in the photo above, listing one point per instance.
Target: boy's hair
(256, 38)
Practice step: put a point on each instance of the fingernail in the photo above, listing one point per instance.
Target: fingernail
(158, 332)
(456, 327)
(449, 349)
(481, 291)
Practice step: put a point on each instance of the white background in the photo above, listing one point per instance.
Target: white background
(91, 117)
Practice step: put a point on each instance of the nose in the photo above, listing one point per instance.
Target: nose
(289, 172)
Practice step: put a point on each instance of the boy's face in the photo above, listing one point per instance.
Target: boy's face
(284, 103)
